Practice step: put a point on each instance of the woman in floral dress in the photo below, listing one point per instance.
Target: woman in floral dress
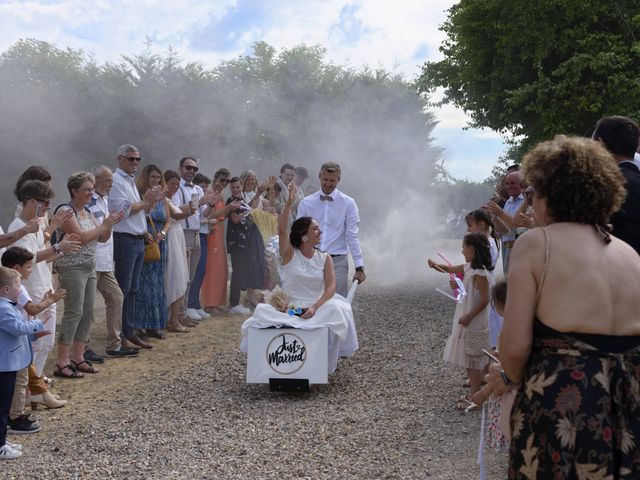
(571, 334)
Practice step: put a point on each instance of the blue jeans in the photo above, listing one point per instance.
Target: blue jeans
(196, 284)
(128, 257)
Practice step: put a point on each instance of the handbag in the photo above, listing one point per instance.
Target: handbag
(152, 250)
(475, 341)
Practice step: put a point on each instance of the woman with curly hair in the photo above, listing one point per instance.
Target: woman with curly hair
(571, 327)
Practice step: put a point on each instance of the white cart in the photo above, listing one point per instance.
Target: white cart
(288, 359)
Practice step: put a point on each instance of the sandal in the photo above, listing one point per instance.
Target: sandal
(466, 405)
(156, 334)
(73, 373)
(88, 369)
(177, 328)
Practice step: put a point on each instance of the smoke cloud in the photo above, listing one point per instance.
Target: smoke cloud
(63, 111)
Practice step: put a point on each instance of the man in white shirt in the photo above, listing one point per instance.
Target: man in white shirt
(106, 282)
(129, 233)
(191, 193)
(287, 174)
(503, 217)
(337, 215)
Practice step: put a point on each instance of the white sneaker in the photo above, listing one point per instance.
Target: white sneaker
(192, 313)
(239, 310)
(203, 314)
(13, 446)
(8, 453)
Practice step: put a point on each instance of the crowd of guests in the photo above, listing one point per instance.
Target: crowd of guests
(154, 244)
(562, 368)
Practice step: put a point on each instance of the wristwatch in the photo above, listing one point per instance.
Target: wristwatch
(56, 249)
(360, 269)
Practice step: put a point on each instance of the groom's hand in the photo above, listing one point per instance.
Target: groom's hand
(360, 276)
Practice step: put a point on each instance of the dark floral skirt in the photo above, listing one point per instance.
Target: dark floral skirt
(577, 413)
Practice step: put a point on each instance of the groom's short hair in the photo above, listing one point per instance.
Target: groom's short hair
(330, 167)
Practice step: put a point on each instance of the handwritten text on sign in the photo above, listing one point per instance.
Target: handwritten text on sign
(286, 353)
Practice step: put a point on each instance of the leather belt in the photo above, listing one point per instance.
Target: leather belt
(334, 255)
(508, 244)
(129, 235)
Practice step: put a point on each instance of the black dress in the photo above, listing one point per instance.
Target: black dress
(245, 245)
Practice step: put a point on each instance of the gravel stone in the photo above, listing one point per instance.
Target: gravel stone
(183, 410)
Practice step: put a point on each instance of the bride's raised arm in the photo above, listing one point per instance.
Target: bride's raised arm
(286, 249)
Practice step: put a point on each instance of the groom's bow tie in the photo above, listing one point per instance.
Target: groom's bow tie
(326, 197)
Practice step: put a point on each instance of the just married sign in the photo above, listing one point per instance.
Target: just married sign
(287, 353)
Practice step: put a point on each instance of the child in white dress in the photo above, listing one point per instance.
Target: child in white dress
(473, 313)
(479, 221)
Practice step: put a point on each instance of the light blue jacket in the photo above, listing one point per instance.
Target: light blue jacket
(15, 335)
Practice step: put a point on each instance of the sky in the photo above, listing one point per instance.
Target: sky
(399, 36)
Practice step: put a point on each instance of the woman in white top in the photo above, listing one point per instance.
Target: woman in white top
(176, 273)
(310, 285)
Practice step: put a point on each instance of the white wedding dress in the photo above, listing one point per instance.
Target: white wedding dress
(303, 282)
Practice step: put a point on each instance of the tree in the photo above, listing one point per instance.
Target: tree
(65, 112)
(537, 69)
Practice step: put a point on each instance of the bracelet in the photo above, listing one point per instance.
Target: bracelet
(56, 249)
(505, 379)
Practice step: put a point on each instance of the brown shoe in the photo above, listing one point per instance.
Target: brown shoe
(177, 328)
(131, 346)
(187, 322)
(141, 343)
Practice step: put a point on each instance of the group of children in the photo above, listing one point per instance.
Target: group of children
(477, 319)
(17, 331)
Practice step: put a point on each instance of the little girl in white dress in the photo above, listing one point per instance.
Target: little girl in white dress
(471, 317)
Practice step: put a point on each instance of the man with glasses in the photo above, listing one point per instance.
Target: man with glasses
(129, 233)
(193, 194)
(503, 217)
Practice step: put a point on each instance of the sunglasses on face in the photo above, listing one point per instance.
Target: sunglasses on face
(224, 180)
(133, 159)
(191, 168)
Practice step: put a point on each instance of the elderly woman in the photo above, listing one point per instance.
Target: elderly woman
(151, 304)
(571, 326)
(77, 275)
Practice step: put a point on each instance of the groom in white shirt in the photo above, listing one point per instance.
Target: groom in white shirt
(337, 215)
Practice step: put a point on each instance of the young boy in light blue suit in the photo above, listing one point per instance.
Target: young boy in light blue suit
(15, 351)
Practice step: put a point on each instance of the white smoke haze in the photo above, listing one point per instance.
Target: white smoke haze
(66, 113)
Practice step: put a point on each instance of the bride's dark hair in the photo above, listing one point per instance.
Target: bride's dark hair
(299, 228)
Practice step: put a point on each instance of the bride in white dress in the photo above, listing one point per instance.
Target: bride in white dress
(309, 283)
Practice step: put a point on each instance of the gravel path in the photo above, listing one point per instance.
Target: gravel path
(184, 410)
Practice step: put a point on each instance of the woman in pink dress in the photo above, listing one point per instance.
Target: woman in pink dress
(214, 287)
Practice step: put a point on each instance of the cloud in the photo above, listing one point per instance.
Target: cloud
(398, 35)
